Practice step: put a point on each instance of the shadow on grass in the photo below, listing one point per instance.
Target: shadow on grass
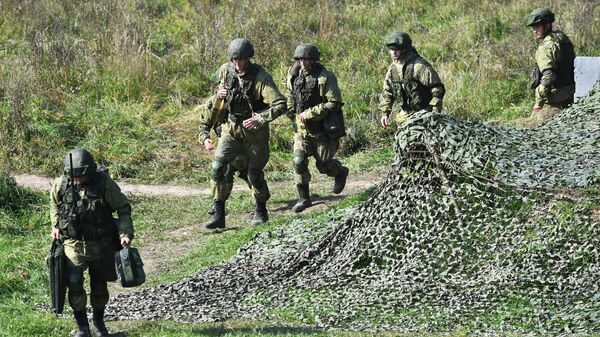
(220, 230)
(315, 198)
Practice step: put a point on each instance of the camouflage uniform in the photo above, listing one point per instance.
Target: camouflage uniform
(92, 242)
(316, 94)
(411, 84)
(267, 104)
(252, 95)
(553, 78)
(213, 120)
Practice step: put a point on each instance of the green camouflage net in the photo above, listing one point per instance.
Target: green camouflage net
(488, 228)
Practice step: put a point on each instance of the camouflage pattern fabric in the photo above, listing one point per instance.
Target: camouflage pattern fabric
(423, 72)
(487, 228)
(97, 256)
(555, 59)
(253, 144)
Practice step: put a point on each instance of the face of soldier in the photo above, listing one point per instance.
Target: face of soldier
(306, 64)
(395, 52)
(540, 30)
(240, 65)
(80, 181)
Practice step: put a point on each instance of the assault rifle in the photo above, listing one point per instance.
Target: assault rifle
(73, 217)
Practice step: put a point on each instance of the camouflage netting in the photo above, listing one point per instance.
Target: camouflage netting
(486, 227)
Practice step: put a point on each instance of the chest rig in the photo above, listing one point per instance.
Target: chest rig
(239, 93)
(306, 94)
(409, 94)
(93, 220)
(565, 74)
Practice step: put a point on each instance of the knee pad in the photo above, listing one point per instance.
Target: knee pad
(256, 177)
(300, 163)
(75, 281)
(218, 171)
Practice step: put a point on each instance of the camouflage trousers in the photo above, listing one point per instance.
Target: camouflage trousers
(82, 255)
(239, 148)
(322, 149)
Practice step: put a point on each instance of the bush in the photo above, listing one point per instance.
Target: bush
(14, 198)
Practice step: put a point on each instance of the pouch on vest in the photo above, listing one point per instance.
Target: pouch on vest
(130, 268)
(536, 78)
(333, 124)
(57, 270)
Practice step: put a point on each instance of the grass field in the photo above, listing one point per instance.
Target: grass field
(122, 78)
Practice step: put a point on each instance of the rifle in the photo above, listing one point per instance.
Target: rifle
(72, 217)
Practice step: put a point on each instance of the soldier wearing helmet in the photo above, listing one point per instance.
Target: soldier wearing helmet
(251, 101)
(315, 104)
(411, 84)
(81, 214)
(553, 78)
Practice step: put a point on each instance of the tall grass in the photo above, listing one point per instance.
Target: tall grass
(122, 77)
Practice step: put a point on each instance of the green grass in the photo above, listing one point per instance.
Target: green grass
(162, 223)
(122, 77)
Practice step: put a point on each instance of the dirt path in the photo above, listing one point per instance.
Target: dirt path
(42, 183)
(156, 258)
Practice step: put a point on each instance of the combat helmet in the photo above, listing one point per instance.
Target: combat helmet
(307, 51)
(83, 163)
(539, 15)
(398, 39)
(240, 48)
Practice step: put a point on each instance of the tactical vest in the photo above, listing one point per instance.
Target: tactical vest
(305, 92)
(565, 74)
(239, 93)
(94, 219)
(409, 94)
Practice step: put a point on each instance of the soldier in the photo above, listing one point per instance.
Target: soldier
(553, 78)
(314, 98)
(210, 119)
(81, 213)
(411, 84)
(251, 98)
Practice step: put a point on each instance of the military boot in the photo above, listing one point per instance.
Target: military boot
(340, 180)
(83, 326)
(99, 328)
(218, 219)
(304, 198)
(261, 215)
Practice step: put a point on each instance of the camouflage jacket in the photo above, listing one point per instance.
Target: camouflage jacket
(111, 198)
(271, 103)
(422, 72)
(209, 119)
(554, 58)
(322, 87)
